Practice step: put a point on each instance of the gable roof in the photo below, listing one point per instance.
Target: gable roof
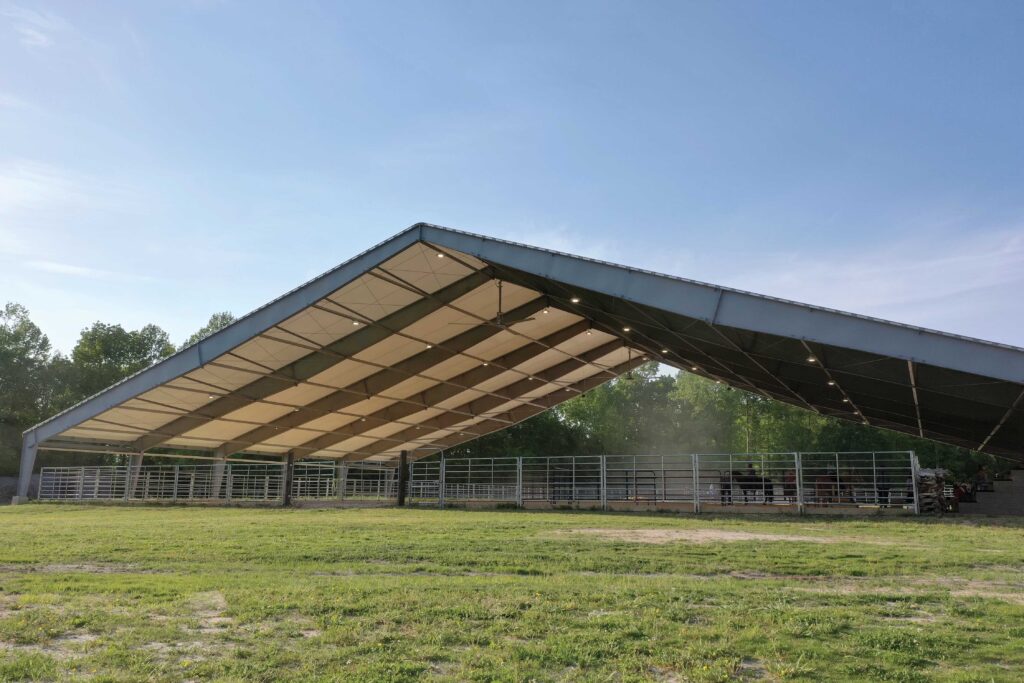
(403, 348)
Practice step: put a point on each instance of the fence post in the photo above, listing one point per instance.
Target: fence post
(227, 490)
(604, 482)
(519, 481)
(799, 483)
(914, 466)
(440, 482)
(695, 471)
(174, 493)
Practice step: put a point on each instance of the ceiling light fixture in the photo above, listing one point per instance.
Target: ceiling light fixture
(664, 350)
(831, 382)
(430, 346)
(694, 368)
(846, 400)
(440, 255)
(812, 359)
(355, 322)
(625, 329)
(575, 299)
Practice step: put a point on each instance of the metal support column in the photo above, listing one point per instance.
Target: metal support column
(695, 470)
(403, 476)
(29, 449)
(174, 491)
(131, 480)
(440, 482)
(230, 485)
(289, 470)
(217, 477)
(519, 481)
(604, 482)
(799, 483)
(914, 466)
(341, 475)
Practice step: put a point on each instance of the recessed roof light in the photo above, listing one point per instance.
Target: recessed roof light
(625, 329)
(831, 382)
(664, 350)
(211, 396)
(486, 364)
(590, 332)
(355, 322)
(846, 400)
(440, 255)
(718, 381)
(812, 359)
(694, 368)
(575, 299)
(545, 311)
(430, 346)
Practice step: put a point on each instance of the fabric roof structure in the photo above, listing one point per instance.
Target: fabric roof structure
(436, 337)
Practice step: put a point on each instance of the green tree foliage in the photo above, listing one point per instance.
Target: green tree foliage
(24, 362)
(106, 354)
(217, 322)
(36, 383)
(652, 413)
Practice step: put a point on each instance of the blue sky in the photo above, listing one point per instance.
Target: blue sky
(161, 161)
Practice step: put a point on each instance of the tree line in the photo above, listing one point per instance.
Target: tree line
(642, 412)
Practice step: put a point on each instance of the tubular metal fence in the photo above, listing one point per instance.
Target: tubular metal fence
(700, 481)
(232, 482)
(800, 480)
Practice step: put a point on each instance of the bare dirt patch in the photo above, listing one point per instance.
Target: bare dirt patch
(73, 568)
(67, 646)
(209, 608)
(659, 536)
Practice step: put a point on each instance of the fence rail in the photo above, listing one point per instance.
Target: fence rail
(699, 481)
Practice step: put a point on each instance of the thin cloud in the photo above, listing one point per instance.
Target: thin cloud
(36, 29)
(73, 270)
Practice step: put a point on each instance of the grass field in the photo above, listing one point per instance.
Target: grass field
(171, 594)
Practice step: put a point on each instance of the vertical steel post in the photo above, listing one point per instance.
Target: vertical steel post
(286, 486)
(874, 477)
(229, 485)
(341, 476)
(914, 466)
(695, 471)
(519, 481)
(798, 461)
(29, 448)
(403, 476)
(174, 493)
(440, 481)
(604, 482)
(572, 491)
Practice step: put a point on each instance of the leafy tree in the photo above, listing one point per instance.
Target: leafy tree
(217, 322)
(24, 358)
(106, 354)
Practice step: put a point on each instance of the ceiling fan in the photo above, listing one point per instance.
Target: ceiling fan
(499, 320)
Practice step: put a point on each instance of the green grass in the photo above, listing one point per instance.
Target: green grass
(172, 594)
